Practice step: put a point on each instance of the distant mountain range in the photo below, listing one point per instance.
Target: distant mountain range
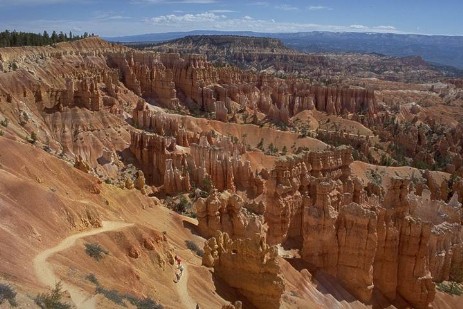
(438, 49)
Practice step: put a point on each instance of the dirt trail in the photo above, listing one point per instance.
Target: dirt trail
(44, 271)
(182, 289)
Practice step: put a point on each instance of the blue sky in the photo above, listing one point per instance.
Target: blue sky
(117, 17)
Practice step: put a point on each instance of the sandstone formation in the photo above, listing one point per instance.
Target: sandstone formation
(170, 123)
(249, 265)
(80, 164)
(272, 56)
(396, 242)
(227, 212)
(444, 256)
(223, 90)
(236, 305)
(217, 160)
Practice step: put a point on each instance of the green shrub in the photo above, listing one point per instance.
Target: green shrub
(260, 145)
(112, 295)
(207, 185)
(7, 293)
(4, 122)
(194, 247)
(284, 150)
(143, 303)
(203, 194)
(95, 251)
(118, 298)
(374, 177)
(385, 160)
(182, 205)
(450, 287)
(92, 278)
(33, 138)
(272, 150)
(52, 299)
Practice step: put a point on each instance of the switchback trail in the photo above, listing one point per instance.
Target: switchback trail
(44, 271)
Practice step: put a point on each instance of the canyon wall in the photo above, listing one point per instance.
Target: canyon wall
(223, 90)
(249, 265)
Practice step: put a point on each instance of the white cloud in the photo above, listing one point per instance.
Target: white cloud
(359, 27)
(205, 17)
(113, 23)
(261, 3)
(286, 7)
(318, 8)
(375, 28)
(387, 28)
(212, 21)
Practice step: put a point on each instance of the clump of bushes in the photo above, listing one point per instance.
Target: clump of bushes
(194, 247)
(4, 122)
(92, 278)
(260, 145)
(112, 295)
(143, 303)
(182, 206)
(450, 287)
(95, 251)
(207, 185)
(33, 138)
(7, 293)
(52, 299)
(118, 298)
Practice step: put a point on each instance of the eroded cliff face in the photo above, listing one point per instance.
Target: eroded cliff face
(229, 213)
(203, 160)
(398, 243)
(445, 240)
(249, 265)
(225, 90)
(69, 98)
(363, 235)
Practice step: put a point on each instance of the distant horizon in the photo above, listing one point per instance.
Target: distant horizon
(263, 32)
(225, 31)
(118, 18)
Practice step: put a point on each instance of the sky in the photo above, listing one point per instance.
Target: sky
(119, 18)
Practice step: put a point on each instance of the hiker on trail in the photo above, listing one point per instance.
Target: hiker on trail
(179, 272)
(178, 260)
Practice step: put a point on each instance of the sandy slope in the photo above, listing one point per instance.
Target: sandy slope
(44, 271)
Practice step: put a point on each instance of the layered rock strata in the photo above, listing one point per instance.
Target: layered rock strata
(396, 242)
(223, 90)
(219, 165)
(229, 213)
(249, 265)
